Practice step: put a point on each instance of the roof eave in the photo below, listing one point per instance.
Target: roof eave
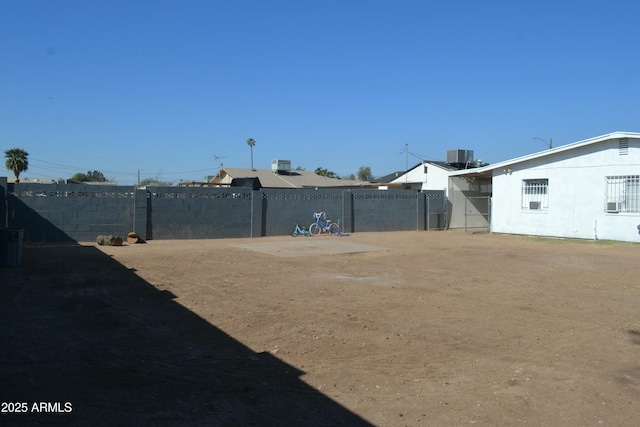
(571, 146)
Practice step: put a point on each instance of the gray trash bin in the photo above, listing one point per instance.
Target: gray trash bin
(10, 247)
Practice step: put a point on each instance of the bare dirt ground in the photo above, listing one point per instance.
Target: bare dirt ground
(398, 328)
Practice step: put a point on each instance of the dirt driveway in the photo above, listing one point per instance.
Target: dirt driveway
(399, 328)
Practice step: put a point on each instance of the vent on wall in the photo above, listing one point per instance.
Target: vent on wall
(623, 146)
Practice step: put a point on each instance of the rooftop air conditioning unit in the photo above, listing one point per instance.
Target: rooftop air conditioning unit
(280, 165)
(459, 156)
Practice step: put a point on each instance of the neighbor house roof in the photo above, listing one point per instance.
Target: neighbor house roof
(390, 177)
(283, 179)
(26, 180)
(397, 175)
(486, 169)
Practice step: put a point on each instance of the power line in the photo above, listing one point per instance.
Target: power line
(76, 168)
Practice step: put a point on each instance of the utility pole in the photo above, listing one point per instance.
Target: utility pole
(406, 162)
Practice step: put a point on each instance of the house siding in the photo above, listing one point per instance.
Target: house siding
(576, 194)
(436, 178)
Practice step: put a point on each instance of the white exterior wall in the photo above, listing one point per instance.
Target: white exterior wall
(576, 192)
(436, 177)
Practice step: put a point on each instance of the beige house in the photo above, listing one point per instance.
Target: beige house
(276, 178)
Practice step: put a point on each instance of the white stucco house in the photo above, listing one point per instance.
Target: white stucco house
(427, 175)
(589, 189)
(433, 175)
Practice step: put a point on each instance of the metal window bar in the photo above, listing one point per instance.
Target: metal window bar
(623, 194)
(535, 194)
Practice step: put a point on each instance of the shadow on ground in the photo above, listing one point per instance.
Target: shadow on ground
(81, 332)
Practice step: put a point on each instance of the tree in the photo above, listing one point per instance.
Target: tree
(96, 176)
(156, 181)
(251, 142)
(17, 161)
(325, 172)
(364, 174)
(90, 176)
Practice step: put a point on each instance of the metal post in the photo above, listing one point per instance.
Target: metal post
(417, 211)
(406, 162)
(489, 219)
(134, 205)
(465, 214)
(428, 211)
(341, 212)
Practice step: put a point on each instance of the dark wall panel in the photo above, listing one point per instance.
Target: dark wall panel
(200, 213)
(286, 207)
(68, 212)
(76, 212)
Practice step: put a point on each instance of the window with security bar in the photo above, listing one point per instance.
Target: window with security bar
(623, 194)
(535, 194)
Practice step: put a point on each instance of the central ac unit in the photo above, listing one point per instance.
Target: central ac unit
(459, 156)
(281, 165)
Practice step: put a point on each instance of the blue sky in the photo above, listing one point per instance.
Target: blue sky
(174, 88)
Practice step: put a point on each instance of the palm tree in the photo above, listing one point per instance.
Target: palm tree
(251, 142)
(17, 161)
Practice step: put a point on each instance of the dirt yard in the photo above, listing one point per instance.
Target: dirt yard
(432, 328)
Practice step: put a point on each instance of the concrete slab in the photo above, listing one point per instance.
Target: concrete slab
(311, 246)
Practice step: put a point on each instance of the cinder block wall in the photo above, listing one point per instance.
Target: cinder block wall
(385, 210)
(68, 212)
(198, 213)
(283, 208)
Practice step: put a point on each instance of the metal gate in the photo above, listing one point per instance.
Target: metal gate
(477, 214)
(436, 212)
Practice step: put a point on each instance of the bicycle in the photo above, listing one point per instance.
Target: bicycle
(300, 230)
(323, 224)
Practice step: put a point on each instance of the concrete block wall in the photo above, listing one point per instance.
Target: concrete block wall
(61, 212)
(198, 213)
(283, 208)
(68, 212)
(397, 210)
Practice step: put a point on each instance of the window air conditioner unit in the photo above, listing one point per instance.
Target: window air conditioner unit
(613, 207)
(534, 205)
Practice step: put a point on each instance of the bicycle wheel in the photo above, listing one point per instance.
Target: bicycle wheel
(315, 229)
(334, 228)
(294, 232)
